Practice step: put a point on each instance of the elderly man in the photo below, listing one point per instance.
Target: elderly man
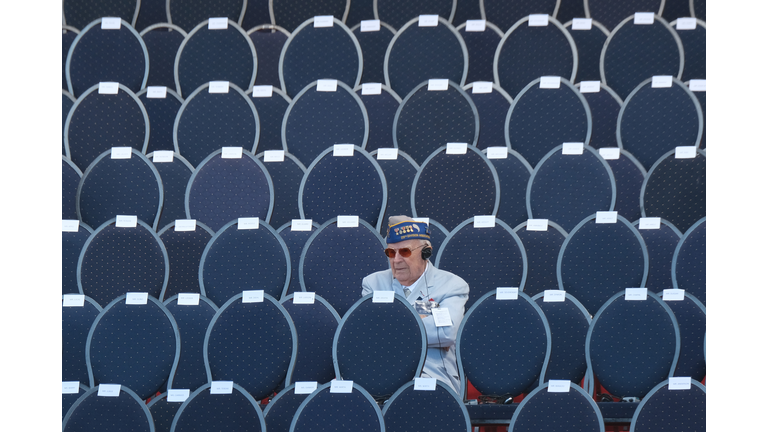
(430, 290)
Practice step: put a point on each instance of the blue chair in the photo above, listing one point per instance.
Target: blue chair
(653, 121)
(570, 9)
(481, 47)
(691, 318)
(417, 54)
(286, 178)
(486, 258)
(151, 12)
(374, 46)
(175, 176)
(604, 105)
(189, 13)
(344, 185)
(271, 110)
(78, 13)
(316, 120)
(161, 112)
(76, 322)
(338, 411)
(529, 52)
(98, 122)
(212, 199)
(279, 412)
(438, 235)
(268, 40)
(466, 10)
(674, 9)
(256, 13)
(407, 407)
(99, 55)
(611, 13)
(540, 119)
(661, 244)
(514, 173)
(599, 259)
(665, 410)
(573, 410)
(69, 399)
(313, 53)
(398, 12)
(541, 249)
(634, 52)
(124, 413)
(253, 344)
(119, 260)
(112, 187)
(162, 41)
(185, 249)
(566, 188)
(381, 110)
(289, 14)
(492, 111)
(295, 241)
(67, 102)
(70, 178)
(206, 411)
(454, 187)
(699, 9)
(689, 261)
(237, 259)
(506, 14)
(695, 49)
(163, 412)
(589, 43)
(68, 35)
(136, 345)
(701, 96)
(629, 175)
(675, 189)
(214, 55)
(399, 174)
(71, 245)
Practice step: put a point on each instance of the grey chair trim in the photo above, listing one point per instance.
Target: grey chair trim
(381, 23)
(573, 300)
(72, 165)
(452, 392)
(671, 153)
(551, 224)
(66, 28)
(106, 310)
(165, 25)
(400, 154)
(98, 22)
(133, 20)
(125, 389)
(658, 14)
(273, 401)
(482, 10)
(552, 21)
(239, 21)
(202, 25)
(318, 298)
(496, 88)
(691, 7)
(690, 297)
(357, 387)
(450, 18)
(669, 224)
(384, 88)
(235, 387)
(415, 21)
(272, 13)
(272, 27)
(656, 389)
(679, 246)
(595, 23)
(83, 389)
(89, 300)
(604, 87)
(520, 158)
(543, 387)
(488, 25)
(68, 95)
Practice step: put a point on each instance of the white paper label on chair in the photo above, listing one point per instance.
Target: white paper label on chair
(425, 384)
(697, 85)
(496, 153)
(673, 294)
(387, 154)
(347, 221)
(111, 23)
(538, 20)
(343, 149)
(679, 383)
(371, 89)
(301, 224)
(262, 91)
(661, 81)
(537, 225)
(610, 153)
(581, 24)
(177, 395)
(108, 87)
(606, 217)
(120, 153)
(559, 386)
(589, 87)
(136, 298)
(231, 152)
(456, 148)
(185, 224)
(649, 223)
(109, 390)
(247, 223)
(475, 25)
(573, 148)
(323, 21)
(301, 297)
(370, 25)
(437, 85)
(685, 152)
(383, 297)
(327, 85)
(221, 387)
(218, 87)
(126, 221)
(686, 23)
(507, 293)
(73, 300)
(442, 317)
(70, 387)
(157, 92)
(635, 293)
(253, 296)
(643, 18)
(70, 225)
(484, 221)
(218, 23)
(305, 387)
(549, 82)
(482, 87)
(338, 386)
(188, 299)
(554, 296)
(274, 156)
(428, 20)
(162, 156)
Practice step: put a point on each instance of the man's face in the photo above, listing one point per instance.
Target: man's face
(407, 270)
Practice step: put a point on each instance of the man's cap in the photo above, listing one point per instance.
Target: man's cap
(403, 228)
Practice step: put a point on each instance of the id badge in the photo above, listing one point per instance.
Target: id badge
(424, 307)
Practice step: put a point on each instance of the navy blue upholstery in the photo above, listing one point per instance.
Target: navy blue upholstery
(691, 318)
(358, 11)
(268, 40)
(237, 259)
(542, 410)
(653, 121)
(78, 13)
(192, 321)
(519, 334)
(215, 55)
(695, 49)
(514, 173)
(481, 47)
(162, 41)
(374, 46)
(175, 176)
(492, 111)
(428, 119)
(68, 35)
(237, 411)
(71, 245)
(604, 106)
(343, 185)
(542, 249)
(417, 54)
(634, 53)
(567, 188)
(589, 43)
(316, 120)
(161, 113)
(333, 276)
(632, 345)
(67, 102)
(674, 9)
(163, 412)
(70, 178)
(313, 53)
(119, 260)
(599, 259)
(701, 96)
(689, 261)
(125, 413)
(381, 110)
(629, 175)
(529, 52)
(665, 410)
(215, 194)
(699, 9)
(675, 189)
(570, 9)
(661, 244)
(151, 12)
(280, 411)
(76, 322)
(286, 179)
(356, 411)
(253, 344)
(437, 236)
(408, 406)
(185, 249)
(98, 55)
(466, 10)
(316, 326)
(137, 346)
(505, 13)
(69, 399)
(271, 111)
(399, 174)
(98, 122)
(398, 12)
(452, 188)
(295, 241)
(486, 258)
(189, 13)
(256, 13)
(290, 14)
(112, 187)
(611, 13)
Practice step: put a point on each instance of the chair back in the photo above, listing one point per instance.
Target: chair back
(125, 412)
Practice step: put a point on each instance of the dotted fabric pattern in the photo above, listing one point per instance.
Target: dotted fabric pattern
(629, 176)
(492, 111)
(189, 13)
(80, 13)
(162, 44)
(381, 110)
(399, 174)
(67, 102)
(611, 13)
(70, 178)
(514, 174)
(675, 189)
(695, 49)
(358, 11)
(589, 43)
(227, 412)
(437, 236)
(286, 178)
(162, 115)
(67, 400)
(569, 325)
(163, 412)
(280, 411)
(505, 14)
(175, 177)
(295, 241)
(668, 410)
(68, 36)
(71, 245)
(290, 14)
(151, 12)
(271, 111)
(572, 411)
(692, 321)
(398, 12)
(699, 9)
(125, 413)
(570, 9)
(76, 321)
(407, 408)
(269, 44)
(417, 54)
(481, 47)
(466, 10)
(542, 249)
(134, 345)
(690, 267)
(185, 248)
(256, 13)
(701, 96)
(598, 260)
(193, 321)
(316, 326)
(674, 9)
(604, 107)
(326, 411)
(374, 46)
(661, 244)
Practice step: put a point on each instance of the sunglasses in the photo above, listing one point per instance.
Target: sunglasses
(404, 252)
